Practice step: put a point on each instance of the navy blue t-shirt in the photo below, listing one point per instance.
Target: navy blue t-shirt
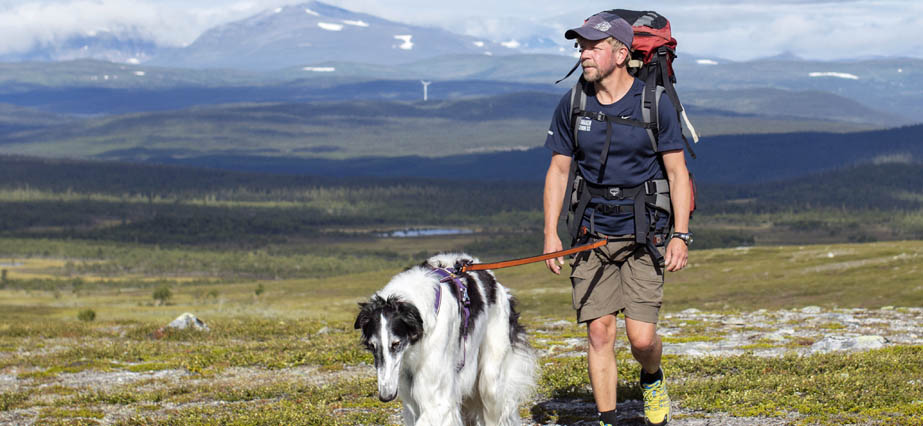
(632, 160)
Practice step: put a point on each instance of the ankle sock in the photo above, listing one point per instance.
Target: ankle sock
(649, 378)
(608, 417)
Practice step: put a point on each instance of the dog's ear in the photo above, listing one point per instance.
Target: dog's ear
(411, 317)
(365, 315)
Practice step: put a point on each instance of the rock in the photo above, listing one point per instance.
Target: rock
(843, 343)
(810, 310)
(187, 320)
(323, 330)
(690, 311)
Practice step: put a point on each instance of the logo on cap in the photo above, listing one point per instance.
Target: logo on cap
(603, 26)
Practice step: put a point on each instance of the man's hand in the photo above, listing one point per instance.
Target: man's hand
(553, 244)
(677, 255)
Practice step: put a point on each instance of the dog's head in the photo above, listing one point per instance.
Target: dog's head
(389, 326)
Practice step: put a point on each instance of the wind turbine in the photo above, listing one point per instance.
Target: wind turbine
(425, 86)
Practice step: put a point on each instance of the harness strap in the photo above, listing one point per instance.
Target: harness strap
(464, 302)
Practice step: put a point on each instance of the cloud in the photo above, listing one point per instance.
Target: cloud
(730, 29)
(26, 25)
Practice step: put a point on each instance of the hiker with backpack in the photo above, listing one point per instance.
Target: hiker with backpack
(618, 168)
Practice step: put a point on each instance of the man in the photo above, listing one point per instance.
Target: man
(624, 275)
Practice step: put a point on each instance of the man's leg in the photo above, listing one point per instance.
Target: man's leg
(645, 344)
(601, 333)
(647, 348)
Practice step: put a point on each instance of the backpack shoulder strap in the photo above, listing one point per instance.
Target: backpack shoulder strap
(577, 107)
(650, 112)
(570, 210)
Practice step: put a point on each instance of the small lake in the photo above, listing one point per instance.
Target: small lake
(428, 232)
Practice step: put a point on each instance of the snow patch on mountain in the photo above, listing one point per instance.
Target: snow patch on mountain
(842, 75)
(330, 27)
(407, 44)
(479, 43)
(319, 69)
(706, 62)
(356, 23)
(311, 12)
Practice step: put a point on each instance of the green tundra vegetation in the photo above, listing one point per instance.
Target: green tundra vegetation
(98, 257)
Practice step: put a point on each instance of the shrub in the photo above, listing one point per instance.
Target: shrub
(162, 295)
(260, 289)
(86, 315)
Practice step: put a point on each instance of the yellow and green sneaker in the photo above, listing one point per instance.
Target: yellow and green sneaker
(656, 402)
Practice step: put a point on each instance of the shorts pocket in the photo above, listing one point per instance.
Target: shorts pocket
(581, 276)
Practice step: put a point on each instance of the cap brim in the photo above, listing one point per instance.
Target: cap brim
(586, 33)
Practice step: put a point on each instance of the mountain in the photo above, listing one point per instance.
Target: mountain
(127, 45)
(315, 32)
(893, 85)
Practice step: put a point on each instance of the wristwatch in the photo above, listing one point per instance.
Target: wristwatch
(685, 236)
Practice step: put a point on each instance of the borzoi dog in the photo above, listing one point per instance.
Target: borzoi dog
(449, 345)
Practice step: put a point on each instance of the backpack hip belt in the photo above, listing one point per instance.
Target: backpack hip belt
(650, 202)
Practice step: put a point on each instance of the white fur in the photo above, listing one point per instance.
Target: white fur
(497, 376)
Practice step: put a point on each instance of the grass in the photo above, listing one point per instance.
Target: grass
(290, 355)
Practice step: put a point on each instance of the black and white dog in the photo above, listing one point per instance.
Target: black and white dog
(451, 362)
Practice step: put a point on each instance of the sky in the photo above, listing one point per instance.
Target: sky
(736, 30)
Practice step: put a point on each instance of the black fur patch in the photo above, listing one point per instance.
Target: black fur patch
(517, 331)
(404, 321)
(490, 286)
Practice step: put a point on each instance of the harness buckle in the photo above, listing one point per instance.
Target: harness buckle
(615, 192)
(599, 116)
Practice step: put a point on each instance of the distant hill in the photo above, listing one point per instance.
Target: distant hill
(15, 119)
(721, 160)
(329, 129)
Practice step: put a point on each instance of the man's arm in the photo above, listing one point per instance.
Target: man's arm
(680, 195)
(555, 188)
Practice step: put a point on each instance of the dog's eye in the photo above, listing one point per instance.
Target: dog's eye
(395, 344)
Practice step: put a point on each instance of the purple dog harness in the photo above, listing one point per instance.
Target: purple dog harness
(464, 302)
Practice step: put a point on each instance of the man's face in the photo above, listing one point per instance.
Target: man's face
(598, 58)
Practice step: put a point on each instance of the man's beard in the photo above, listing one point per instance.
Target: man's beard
(598, 76)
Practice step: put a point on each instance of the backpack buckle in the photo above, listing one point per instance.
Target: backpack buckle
(615, 192)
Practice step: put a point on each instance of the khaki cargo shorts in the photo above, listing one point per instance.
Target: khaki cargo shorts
(617, 277)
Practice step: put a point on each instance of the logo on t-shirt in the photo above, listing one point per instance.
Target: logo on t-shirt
(584, 125)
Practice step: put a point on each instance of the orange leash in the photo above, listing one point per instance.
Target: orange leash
(524, 260)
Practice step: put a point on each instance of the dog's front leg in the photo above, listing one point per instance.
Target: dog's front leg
(440, 410)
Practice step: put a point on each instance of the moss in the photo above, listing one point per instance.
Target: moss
(688, 339)
(832, 326)
(13, 400)
(69, 413)
(754, 346)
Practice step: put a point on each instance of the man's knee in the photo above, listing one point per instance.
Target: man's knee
(644, 343)
(601, 332)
